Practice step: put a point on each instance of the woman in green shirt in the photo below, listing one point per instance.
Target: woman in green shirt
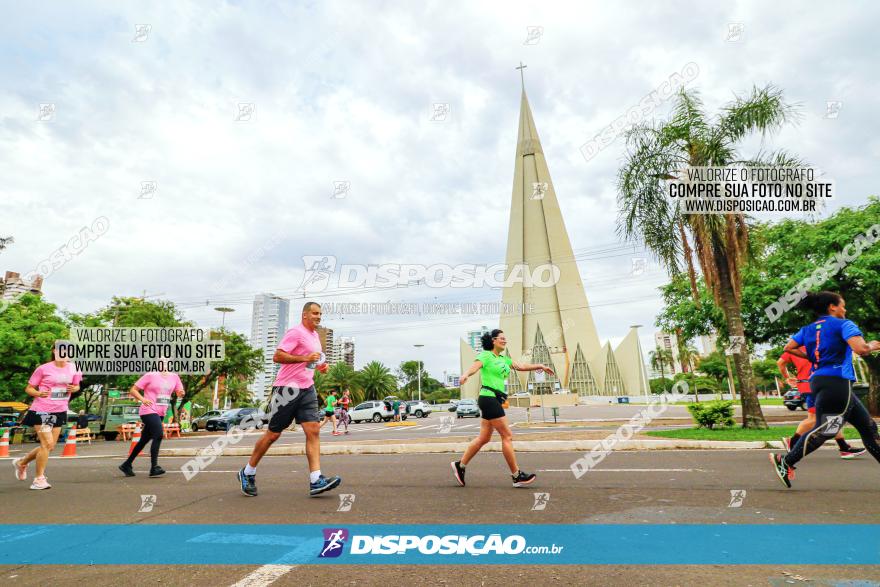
(330, 412)
(494, 369)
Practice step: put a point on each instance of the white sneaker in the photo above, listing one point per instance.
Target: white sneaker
(40, 483)
(20, 470)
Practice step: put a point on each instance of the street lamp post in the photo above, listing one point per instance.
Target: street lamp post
(215, 401)
(418, 346)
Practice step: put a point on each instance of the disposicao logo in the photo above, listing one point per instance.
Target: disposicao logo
(334, 541)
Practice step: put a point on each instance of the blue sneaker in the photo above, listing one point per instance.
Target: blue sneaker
(323, 484)
(248, 483)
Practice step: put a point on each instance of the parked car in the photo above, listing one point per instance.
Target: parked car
(116, 413)
(467, 407)
(453, 403)
(230, 418)
(202, 421)
(371, 410)
(794, 400)
(419, 409)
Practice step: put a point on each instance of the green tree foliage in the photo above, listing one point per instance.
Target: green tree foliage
(660, 384)
(29, 328)
(655, 154)
(785, 254)
(376, 381)
(712, 414)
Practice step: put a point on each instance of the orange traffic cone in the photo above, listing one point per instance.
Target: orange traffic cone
(135, 438)
(4, 443)
(70, 445)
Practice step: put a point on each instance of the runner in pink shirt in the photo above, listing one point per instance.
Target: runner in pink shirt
(294, 398)
(51, 386)
(154, 391)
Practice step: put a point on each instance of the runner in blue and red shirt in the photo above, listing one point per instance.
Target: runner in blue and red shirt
(804, 369)
(830, 342)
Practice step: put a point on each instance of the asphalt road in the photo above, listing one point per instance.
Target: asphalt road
(668, 487)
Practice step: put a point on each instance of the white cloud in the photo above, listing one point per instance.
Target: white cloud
(344, 91)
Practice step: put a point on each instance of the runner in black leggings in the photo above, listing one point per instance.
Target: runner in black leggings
(154, 391)
(830, 342)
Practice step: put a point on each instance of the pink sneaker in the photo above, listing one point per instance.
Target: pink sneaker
(20, 470)
(336, 433)
(40, 483)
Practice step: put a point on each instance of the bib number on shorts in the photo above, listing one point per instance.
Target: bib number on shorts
(58, 393)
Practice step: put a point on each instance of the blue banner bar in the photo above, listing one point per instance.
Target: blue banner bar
(502, 544)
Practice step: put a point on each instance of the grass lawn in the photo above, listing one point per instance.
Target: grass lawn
(737, 433)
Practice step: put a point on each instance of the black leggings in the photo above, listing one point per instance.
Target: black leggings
(152, 431)
(836, 404)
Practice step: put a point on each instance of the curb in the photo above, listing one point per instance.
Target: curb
(458, 447)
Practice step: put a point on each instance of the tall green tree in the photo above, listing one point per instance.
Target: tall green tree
(657, 153)
(660, 358)
(240, 361)
(785, 253)
(376, 381)
(29, 328)
(340, 376)
(408, 376)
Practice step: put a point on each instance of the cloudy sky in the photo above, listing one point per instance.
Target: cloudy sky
(345, 92)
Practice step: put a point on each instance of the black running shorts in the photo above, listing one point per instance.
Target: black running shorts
(302, 407)
(51, 419)
(490, 407)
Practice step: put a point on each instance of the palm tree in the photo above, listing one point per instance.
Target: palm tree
(657, 153)
(376, 381)
(658, 361)
(343, 377)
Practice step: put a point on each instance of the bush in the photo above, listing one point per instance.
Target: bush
(711, 414)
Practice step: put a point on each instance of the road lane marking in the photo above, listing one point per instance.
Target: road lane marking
(265, 575)
(628, 470)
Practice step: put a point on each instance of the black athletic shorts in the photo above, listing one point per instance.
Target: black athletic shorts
(490, 407)
(290, 404)
(52, 419)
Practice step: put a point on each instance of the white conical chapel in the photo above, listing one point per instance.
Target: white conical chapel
(560, 329)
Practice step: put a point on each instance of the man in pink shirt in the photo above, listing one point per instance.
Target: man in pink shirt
(294, 398)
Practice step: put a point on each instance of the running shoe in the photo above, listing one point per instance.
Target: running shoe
(248, 483)
(336, 433)
(323, 484)
(783, 471)
(20, 470)
(126, 468)
(522, 479)
(852, 453)
(156, 471)
(41, 483)
(786, 443)
(458, 471)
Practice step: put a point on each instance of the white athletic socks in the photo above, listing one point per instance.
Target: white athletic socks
(314, 476)
(248, 470)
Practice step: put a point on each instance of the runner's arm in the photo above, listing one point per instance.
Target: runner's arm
(793, 348)
(34, 392)
(282, 357)
(473, 369)
(532, 367)
(783, 368)
(135, 392)
(862, 348)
